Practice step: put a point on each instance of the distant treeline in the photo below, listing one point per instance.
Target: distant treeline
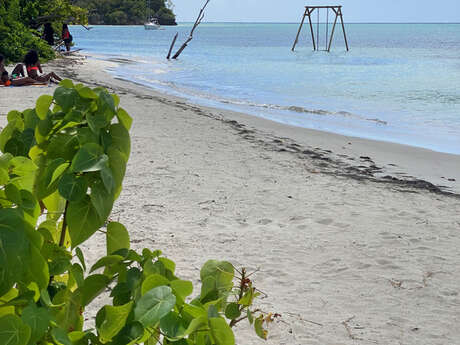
(126, 12)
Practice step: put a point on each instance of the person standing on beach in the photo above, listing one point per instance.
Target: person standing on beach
(66, 36)
(48, 34)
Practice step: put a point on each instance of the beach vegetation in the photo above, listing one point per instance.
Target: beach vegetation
(61, 170)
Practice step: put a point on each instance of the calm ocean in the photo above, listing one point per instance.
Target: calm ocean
(399, 83)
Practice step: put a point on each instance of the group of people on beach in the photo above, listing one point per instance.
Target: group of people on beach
(32, 65)
(48, 35)
(34, 72)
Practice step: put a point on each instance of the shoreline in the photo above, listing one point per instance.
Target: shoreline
(342, 257)
(355, 157)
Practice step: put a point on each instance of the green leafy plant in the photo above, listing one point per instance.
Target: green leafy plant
(61, 170)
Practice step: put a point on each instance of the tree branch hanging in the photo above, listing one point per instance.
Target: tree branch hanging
(190, 37)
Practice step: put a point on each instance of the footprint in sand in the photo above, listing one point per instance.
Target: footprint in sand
(325, 221)
(264, 221)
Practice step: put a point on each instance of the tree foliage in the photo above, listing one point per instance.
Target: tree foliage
(124, 12)
(21, 20)
(61, 171)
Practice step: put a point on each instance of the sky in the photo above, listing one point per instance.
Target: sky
(360, 11)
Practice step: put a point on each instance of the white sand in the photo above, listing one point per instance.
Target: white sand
(332, 240)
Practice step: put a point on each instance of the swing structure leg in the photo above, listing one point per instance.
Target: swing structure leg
(300, 28)
(333, 29)
(343, 28)
(311, 28)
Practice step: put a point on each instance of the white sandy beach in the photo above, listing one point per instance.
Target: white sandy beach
(356, 241)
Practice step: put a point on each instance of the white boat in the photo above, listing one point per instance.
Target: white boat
(152, 24)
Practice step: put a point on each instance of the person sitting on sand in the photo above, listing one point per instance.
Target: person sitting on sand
(33, 66)
(17, 77)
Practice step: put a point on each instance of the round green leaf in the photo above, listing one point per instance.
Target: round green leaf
(38, 320)
(14, 248)
(232, 311)
(16, 147)
(113, 322)
(182, 288)
(154, 305)
(152, 281)
(93, 286)
(124, 118)
(43, 105)
(13, 331)
(67, 83)
(90, 157)
(221, 331)
(83, 221)
(65, 98)
(117, 237)
(72, 187)
(120, 138)
(86, 92)
(173, 326)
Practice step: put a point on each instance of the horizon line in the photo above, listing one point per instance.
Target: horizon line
(261, 22)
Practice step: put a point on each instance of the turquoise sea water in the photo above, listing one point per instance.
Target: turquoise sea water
(398, 83)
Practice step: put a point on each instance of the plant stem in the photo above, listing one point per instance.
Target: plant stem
(64, 225)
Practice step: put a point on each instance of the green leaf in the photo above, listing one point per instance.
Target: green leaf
(221, 332)
(217, 280)
(86, 92)
(96, 122)
(4, 177)
(117, 237)
(109, 260)
(63, 146)
(30, 118)
(77, 273)
(6, 134)
(124, 118)
(67, 83)
(13, 194)
(16, 147)
(14, 248)
(101, 200)
(107, 179)
(38, 320)
(65, 98)
(232, 311)
(80, 257)
(153, 281)
(13, 115)
(106, 102)
(182, 288)
(155, 304)
(114, 321)
(13, 331)
(60, 336)
(72, 187)
(120, 138)
(90, 157)
(43, 105)
(83, 221)
(130, 334)
(258, 327)
(173, 326)
(93, 286)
